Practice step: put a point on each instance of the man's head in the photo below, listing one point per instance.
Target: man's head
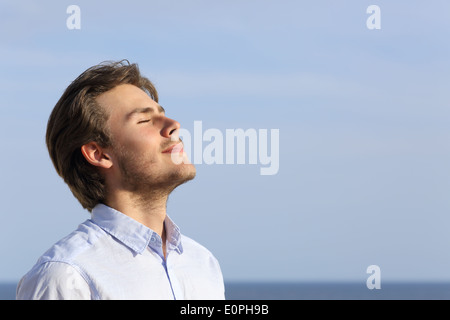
(108, 132)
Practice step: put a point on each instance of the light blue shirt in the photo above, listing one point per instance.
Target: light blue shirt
(112, 256)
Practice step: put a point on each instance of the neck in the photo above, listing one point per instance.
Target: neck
(148, 209)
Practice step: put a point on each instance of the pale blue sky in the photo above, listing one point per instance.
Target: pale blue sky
(363, 116)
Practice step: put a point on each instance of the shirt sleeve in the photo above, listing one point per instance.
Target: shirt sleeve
(219, 279)
(53, 281)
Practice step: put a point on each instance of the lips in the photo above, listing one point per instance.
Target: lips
(175, 148)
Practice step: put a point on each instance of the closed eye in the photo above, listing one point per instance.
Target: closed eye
(144, 121)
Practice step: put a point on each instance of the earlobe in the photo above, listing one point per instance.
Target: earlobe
(95, 155)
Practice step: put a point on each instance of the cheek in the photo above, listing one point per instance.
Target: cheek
(143, 141)
(145, 147)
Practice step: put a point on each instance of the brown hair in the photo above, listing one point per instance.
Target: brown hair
(77, 119)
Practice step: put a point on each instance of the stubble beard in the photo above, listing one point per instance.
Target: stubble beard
(141, 175)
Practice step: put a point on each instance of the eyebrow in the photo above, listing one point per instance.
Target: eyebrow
(143, 110)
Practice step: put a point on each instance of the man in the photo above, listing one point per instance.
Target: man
(113, 145)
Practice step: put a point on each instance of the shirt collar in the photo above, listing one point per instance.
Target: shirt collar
(133, 234)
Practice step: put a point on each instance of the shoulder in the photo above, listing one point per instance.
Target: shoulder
(192, 245)
(197, 251)
(53, 281)
(76, 243)
(57, 274)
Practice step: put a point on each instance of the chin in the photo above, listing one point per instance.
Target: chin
(185, 172)
(178, 176)
(182, 167)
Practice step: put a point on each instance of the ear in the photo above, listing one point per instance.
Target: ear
(96, 155)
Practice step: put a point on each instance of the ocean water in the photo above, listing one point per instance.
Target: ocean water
(8, 291)
(337, 291)
(315, 291)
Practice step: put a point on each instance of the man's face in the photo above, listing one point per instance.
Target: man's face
(143, 153)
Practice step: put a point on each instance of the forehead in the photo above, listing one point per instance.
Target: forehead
(124, 98)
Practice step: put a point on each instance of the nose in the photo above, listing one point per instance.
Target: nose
(170, 127)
